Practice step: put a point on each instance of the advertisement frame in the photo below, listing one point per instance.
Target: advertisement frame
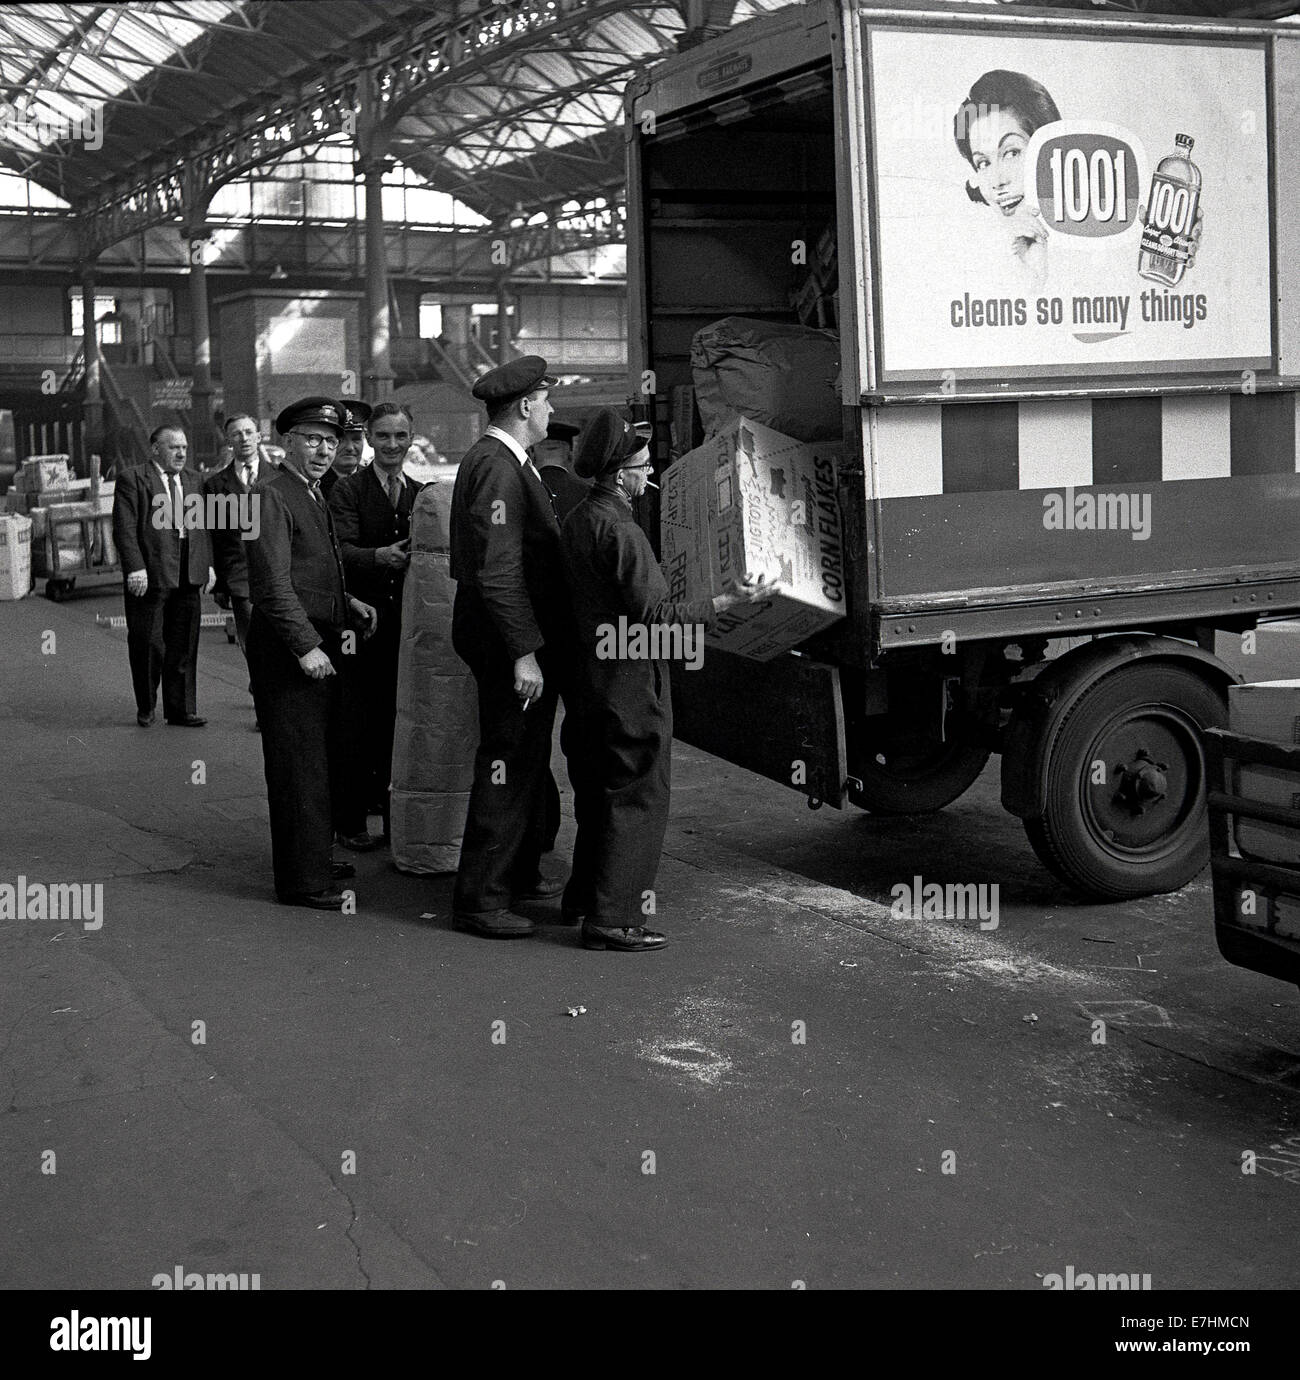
(1035, 380)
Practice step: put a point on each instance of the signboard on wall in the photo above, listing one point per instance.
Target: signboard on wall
(1048, 205)
(175, 394)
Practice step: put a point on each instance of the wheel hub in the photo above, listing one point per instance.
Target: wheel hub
(1141, 783)
(1153, 773)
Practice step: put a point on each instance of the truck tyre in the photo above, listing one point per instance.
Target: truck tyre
(910, 784)
(1124, 798)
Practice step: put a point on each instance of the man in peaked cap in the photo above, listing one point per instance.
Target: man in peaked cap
(303, 623)
(508, 622)
(352, 447)
(554, 458)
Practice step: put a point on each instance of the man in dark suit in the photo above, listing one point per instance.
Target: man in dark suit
(245, 470)
(167, 561)
(372, 516)
(303, 624)
(510, 612)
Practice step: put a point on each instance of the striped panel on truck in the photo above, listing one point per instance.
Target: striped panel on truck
(986, 495)
(973, 447)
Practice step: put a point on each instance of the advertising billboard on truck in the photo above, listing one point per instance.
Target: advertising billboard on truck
(1046, 204)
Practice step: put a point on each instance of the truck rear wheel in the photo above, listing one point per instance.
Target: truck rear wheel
(917, 781)
(1124, 798)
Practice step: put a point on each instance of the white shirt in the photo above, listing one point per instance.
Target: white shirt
(514, 448)
(167, 476)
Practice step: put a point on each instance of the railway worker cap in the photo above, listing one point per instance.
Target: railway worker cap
(608, 441)
(517, 379)
(355, 413)
(325, 411)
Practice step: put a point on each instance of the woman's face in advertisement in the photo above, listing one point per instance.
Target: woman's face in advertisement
(998, 140)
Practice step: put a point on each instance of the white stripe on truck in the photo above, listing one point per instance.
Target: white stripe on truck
(1195, 437)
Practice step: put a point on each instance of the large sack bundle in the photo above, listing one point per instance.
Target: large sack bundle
(437, 706)
(782, 376)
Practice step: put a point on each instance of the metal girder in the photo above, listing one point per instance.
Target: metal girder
(331, 250)
(157, 194)
(562, 232)
(183, 191)
(402, 71)
(473, 45)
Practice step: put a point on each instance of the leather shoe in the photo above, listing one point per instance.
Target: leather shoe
(495, 924)
(632, 940)
(543, 889)
(340, 872)
(363, 842)
(145, 720)
(189, 721)
(328, 899)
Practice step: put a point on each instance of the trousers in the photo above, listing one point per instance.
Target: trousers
(162, 645)
(506, 820)
(304, 723)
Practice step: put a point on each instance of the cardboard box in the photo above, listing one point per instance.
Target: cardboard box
(43, 472)
(751, 502)
(15, 557)
(1270, 710)
(687, 430)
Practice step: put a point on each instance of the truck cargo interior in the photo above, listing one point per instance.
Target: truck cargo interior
(736, 213)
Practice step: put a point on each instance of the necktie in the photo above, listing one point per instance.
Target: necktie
(395, 491)
(178, 505)
(246, 475)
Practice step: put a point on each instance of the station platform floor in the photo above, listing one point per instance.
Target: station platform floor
(802, 1088)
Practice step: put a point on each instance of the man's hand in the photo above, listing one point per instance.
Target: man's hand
(366, 615)
(212, 580)
(528, 678)
(395, 557)
(316, 664)
(137, 582)
(743, 592)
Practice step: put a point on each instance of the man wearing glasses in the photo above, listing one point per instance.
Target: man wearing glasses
(303, 622)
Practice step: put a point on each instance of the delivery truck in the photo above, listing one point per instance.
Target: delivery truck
(1028, 282)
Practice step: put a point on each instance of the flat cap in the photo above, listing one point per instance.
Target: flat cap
(324, 410)
(355, 413)
(607, 440)
(517, 379)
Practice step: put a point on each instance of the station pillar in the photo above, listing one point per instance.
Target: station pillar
(203, 439)
(92, 405)
(379, 370)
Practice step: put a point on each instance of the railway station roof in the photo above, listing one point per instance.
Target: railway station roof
(500, 103)
(130, 112)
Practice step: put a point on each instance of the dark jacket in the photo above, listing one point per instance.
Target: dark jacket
(229, 556)
(156, 551)
(364, 520)
(567, 489)
(612, 572)
(505, 550)
(295, 568)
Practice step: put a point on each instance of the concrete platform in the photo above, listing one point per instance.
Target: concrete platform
(800, 1088)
